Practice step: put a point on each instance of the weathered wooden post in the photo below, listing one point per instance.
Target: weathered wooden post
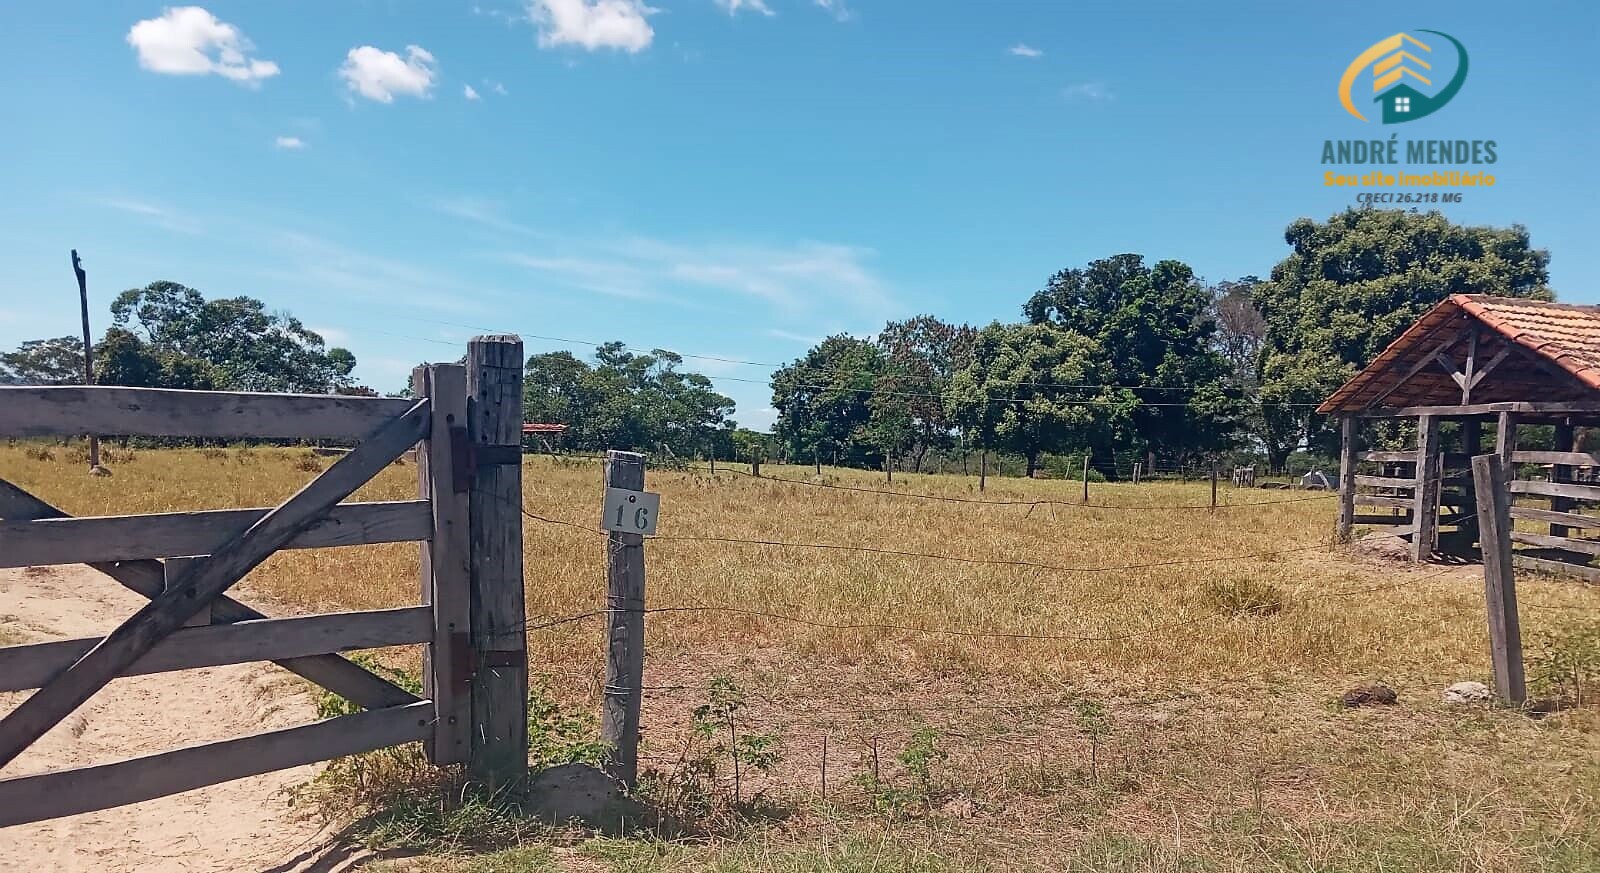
(983, 469)
(1213, 484)
(1425, 506)
(755, 465)
(1085, 477)
(446, 573)
(624, 690)
(1499, 584)
(1136, 466)
(499, 733)
(1348, 432)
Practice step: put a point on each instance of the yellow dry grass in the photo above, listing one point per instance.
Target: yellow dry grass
(1221, 739)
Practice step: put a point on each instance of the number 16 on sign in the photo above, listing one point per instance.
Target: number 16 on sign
(631, 511)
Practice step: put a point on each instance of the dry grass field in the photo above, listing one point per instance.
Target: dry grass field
(1161, 695)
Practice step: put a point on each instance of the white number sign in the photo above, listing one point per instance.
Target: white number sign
(631, 511)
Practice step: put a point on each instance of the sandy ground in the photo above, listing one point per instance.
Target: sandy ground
(242, 825)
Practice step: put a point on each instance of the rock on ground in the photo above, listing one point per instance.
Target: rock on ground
(1467, 692)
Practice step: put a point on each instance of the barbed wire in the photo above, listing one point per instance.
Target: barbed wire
(1043, 502)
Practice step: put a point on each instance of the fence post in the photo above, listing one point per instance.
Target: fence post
(1213, 484)
(499, 733)
(1348, 432)
(1085, 477)
(445, 574)
(1425, 512)
(624, 690)
(1136, 466)
(1499, 583)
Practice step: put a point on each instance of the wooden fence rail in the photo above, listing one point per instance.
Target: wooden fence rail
(467, 420)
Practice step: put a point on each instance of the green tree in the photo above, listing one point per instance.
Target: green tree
(920, 356)
(244, 347)
(626, 400)
(1351, 285)
(1035, 388)
(824, 402)
(57, 361)
(1156, 336)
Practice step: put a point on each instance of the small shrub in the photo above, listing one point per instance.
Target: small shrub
(77, 455)
(920, 757)
(1565, 663)
(110, 455)
(212, 453)
(39, 453)
(308, 464)
(1245, 596)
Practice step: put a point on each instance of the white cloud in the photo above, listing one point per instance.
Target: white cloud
(837, 9)
(496, 87)
(593, 24)
(1088, 92)
(289, 142)
(1023, 50)
(791, 336)
(333, 336)
(793, 279)
(379, 75)
(732, 7)
(470, 92)
(160, 216)
(189, 41)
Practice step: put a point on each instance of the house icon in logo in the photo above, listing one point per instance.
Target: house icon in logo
(1394, 69)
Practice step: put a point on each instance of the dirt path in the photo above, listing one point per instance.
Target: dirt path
(243, 825)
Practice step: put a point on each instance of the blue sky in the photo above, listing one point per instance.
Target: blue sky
(726, 177)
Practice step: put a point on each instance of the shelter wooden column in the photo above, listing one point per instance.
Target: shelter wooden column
(1425, 512)
(1348, 432)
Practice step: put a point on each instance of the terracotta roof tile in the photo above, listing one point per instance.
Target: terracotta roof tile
(1565, 335)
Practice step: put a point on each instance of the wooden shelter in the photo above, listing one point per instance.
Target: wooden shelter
(1474, 359)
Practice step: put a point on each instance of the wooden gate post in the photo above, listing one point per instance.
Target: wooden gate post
(624, 690)
(445, 572)
(1499, 584)
(499, 732)
(1086, 477)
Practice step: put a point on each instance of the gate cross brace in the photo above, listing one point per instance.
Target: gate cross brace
(206, 579)
(333, 672)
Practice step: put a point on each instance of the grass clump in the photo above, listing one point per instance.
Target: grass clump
(1245, 596)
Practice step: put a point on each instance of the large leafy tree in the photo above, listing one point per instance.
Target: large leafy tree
(824, 403)
(57, 361)
(240, 344)
(1036, 388)
(920, 356)
(1352, 284)
(627, 400)
(1155, 333)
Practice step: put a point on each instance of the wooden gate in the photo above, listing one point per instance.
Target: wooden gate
(468, 470)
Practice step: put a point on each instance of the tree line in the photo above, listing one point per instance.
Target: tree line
(167, 335)
(1121, 358)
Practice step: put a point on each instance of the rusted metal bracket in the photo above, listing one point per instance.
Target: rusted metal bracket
(466, 457)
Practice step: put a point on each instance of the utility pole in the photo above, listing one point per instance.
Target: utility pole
(88, 357)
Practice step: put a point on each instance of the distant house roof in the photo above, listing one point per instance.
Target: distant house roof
(544, 428)
(1551, 353)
